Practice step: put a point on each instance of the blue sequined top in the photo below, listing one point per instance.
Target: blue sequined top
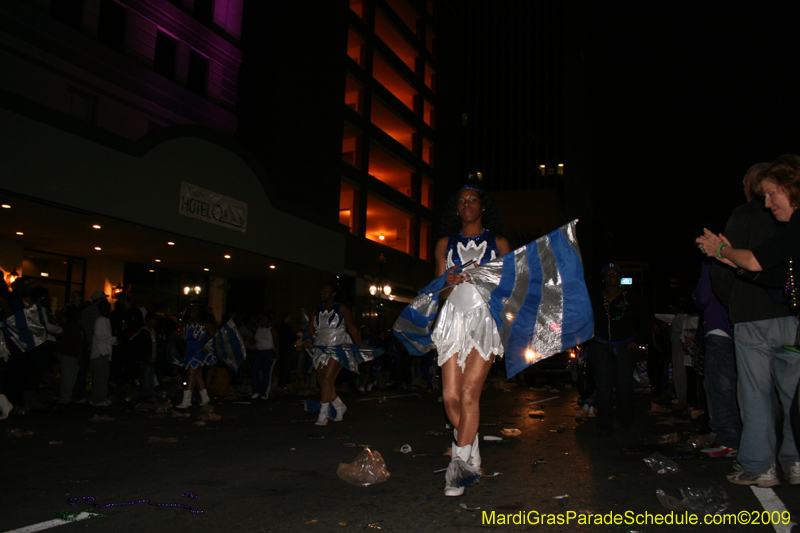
(460, 249)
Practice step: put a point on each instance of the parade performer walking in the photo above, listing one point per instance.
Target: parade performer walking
(465, 334)
(334, 334)
(197, 329)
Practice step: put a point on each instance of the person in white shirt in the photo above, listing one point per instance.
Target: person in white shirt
(265, 339)
(100, 355)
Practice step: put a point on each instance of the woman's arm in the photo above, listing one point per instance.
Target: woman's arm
(502, 246)
(719, 247)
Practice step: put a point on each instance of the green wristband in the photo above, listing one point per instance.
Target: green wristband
(719, 249)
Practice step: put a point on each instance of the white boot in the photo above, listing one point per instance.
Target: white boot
(187, 400)
(204, 397)
(340, 409)
(475, 456)
(5, 407)
(459, 473)
(322, 419)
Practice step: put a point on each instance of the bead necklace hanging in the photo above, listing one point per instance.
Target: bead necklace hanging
(791, 288)
(607, 305)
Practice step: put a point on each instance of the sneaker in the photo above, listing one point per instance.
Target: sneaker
(765, 480)
(793, 475)
(720, 451)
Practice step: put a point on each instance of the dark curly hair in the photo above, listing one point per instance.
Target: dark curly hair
(492, 219)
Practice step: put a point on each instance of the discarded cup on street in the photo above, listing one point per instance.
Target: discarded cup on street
(702, 500)
(536, 414)
(405, 448)
(511, 432)
(661, 464)
(368, 468)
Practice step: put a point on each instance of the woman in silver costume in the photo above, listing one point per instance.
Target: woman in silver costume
(465, 334)
(332, 325)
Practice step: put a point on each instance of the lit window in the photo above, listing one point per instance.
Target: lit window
(394, 225)
(394, 39)
(427, 193)
(390, 170)
(351, 146)
(428, 113)
(425, 241)
(355, 47)
(348, 205)
(397, 128)
(358, 7)
(389, 78)
(427, 151)
(430, 77)
(430, 39)
(354, 95)
(406, 12)
(560, 169)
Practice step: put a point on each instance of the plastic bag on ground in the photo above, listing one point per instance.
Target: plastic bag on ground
(368, 468)
(661, 464)
(702, 500)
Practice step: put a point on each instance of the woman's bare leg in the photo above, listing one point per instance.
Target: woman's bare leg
(326, 375)
(452, 383)
(474, 376)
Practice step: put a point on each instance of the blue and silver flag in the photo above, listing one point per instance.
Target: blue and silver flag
(228, 346)
(26, 328)
(536, 294)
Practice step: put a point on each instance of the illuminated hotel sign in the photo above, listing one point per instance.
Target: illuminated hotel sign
(200, 203)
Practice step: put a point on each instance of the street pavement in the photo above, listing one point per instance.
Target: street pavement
(265, 466)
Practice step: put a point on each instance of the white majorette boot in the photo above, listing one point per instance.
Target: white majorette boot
(340, 409)
(322, 419)
(187, 400)
(459, 472)
(475, 456)
(204, 397)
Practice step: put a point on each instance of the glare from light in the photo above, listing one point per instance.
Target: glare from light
(20, 233)
(97, 248)
(197, 290)
(272, 267)
(6, 206)
(158, 260)
(187, 290)
(44, 274)
(205, 270)
(171, 243)
(96, 226)
(373, 290)
(226, 256)
(387, 290)
(530, 355)
(381, 237)
(151, 270)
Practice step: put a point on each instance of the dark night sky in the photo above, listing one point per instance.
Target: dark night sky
(684, 103)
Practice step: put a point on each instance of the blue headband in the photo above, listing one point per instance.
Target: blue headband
(473, 187)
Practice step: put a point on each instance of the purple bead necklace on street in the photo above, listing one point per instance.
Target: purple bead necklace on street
(90, 500)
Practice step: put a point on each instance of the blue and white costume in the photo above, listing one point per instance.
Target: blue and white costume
(331, 330)
(464, 320)
(197, 338)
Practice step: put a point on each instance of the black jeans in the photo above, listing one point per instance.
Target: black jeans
(613, 370)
